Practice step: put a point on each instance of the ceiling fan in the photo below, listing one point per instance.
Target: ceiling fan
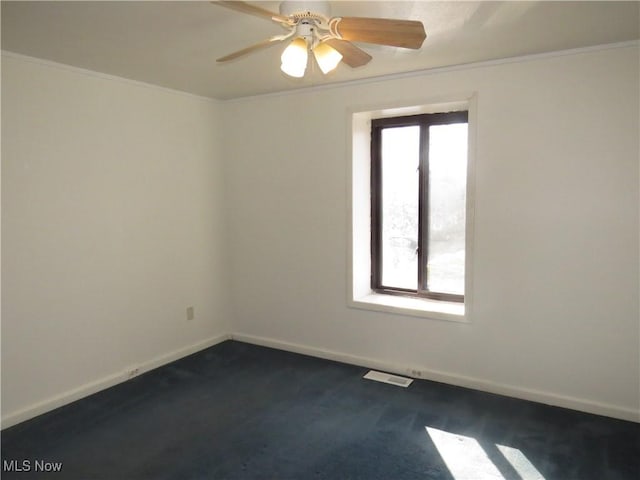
(310, 28)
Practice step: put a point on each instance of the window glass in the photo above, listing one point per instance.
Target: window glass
(447, 205)
(400, 201)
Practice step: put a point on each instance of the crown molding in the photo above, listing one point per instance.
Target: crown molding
(440, 70)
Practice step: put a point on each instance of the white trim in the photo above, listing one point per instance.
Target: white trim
(438, 70)
(413, 307)
(346, 83)
(103, 383)
(484, 385)
(104, 76)
(369, 363)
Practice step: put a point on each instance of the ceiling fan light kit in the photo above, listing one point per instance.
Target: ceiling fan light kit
(295, 56)
(311, 28)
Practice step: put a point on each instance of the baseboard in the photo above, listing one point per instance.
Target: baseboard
(572, 403)
(90, 388)
(111, 380)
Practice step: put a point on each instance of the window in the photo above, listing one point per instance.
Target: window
(418, 205)
(451, 301)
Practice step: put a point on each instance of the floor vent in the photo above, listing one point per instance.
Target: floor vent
(388, 378)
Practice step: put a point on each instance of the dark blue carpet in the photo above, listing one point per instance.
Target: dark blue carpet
(238, 411)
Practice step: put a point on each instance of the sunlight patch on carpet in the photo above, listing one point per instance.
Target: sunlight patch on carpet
(520, 463)
(467, 460)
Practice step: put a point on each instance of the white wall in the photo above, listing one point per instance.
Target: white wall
(122, 204)
(112, 224)
(555, 312)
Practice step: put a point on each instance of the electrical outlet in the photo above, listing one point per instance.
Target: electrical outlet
(414, 373)
(133, 372)
(191, 314)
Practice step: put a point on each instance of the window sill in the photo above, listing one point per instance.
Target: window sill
(416, 307)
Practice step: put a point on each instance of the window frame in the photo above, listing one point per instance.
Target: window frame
(424, 121)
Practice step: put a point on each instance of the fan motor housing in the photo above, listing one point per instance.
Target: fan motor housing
(305, 9)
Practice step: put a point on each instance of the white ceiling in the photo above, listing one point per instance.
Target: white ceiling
(175, 44)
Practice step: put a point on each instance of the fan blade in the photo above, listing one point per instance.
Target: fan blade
(382, 31)
(253, 10)
(351, 55)
(252, 48)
